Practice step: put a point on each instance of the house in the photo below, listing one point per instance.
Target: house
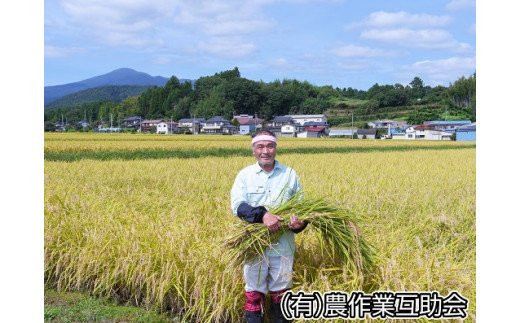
(385, 123)
(280, 121)
(149, 125)
(275, 125)
(167, 127)
(83, 124)
(422, 132)
(190, 125)
(303, 118)
(290, 130)
(109, 129)
(366, 133)
(229, 129)
(448, 125)
(60, 126)
(467, 132)
(248, 124)
(217, 125)
(316, 126)
(320, 131)
(308, 134)
(131, 122)
(334, 133)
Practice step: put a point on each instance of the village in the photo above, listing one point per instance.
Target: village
(298, 126)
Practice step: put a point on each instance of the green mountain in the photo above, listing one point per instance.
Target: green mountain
(115, 93)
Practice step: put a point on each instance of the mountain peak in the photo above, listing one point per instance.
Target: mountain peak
(120, 76)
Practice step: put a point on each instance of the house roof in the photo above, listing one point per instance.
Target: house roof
(314, 129)
(302, 116)
(169, 122)
(468, 127)
(282, 119)
(248, 121)
(217, 119)
(446, 122)
(314, 124)
(366, 131)
(151, 121)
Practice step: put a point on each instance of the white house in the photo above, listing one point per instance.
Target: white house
(167, 127)
(290, 130)
(422, 133)
(303, 118)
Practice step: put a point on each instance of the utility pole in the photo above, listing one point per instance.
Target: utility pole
(352, 133)
(171, 125)
(111, 121)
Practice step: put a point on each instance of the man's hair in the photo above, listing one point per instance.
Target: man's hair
(263, 132)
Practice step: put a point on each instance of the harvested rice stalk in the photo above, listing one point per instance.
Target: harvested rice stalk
(336, 228)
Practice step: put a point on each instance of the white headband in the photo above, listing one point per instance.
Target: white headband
(263, 137)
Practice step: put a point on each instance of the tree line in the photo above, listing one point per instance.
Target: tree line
(227, 94)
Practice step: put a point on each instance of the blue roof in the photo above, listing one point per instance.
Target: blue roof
(217, 119)
(447, 122)
(282, 119)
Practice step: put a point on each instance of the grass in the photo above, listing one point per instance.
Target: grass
(79, 307)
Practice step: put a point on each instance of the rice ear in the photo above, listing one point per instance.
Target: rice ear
(338, 234)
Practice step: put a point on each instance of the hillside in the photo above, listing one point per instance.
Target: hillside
(114, 93)
(121, 76)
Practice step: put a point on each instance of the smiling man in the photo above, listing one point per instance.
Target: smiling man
(258, 187)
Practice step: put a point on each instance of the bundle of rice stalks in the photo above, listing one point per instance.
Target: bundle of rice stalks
(339, 236)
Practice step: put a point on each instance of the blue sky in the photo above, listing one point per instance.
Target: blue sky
(338, 42)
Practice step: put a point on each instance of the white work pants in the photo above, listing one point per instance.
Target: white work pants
(269, 273)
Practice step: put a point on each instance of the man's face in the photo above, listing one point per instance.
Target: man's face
(265, 152)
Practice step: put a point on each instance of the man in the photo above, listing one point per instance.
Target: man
(266, 184)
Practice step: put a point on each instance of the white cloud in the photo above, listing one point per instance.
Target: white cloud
(359, 51)
(424, 38)
(401, 19)
(441, 71)
(223, 17)
(61, 52)
(227, 47)
(454, 5)
(119, 22)
(142, 23)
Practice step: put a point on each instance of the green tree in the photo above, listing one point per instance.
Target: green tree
(462, 94)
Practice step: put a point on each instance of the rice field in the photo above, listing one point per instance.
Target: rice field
(141, 218)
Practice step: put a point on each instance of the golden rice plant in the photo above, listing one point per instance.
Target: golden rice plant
(336, 227)
(150, 232)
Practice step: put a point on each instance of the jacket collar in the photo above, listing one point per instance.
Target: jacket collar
(259, 169)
